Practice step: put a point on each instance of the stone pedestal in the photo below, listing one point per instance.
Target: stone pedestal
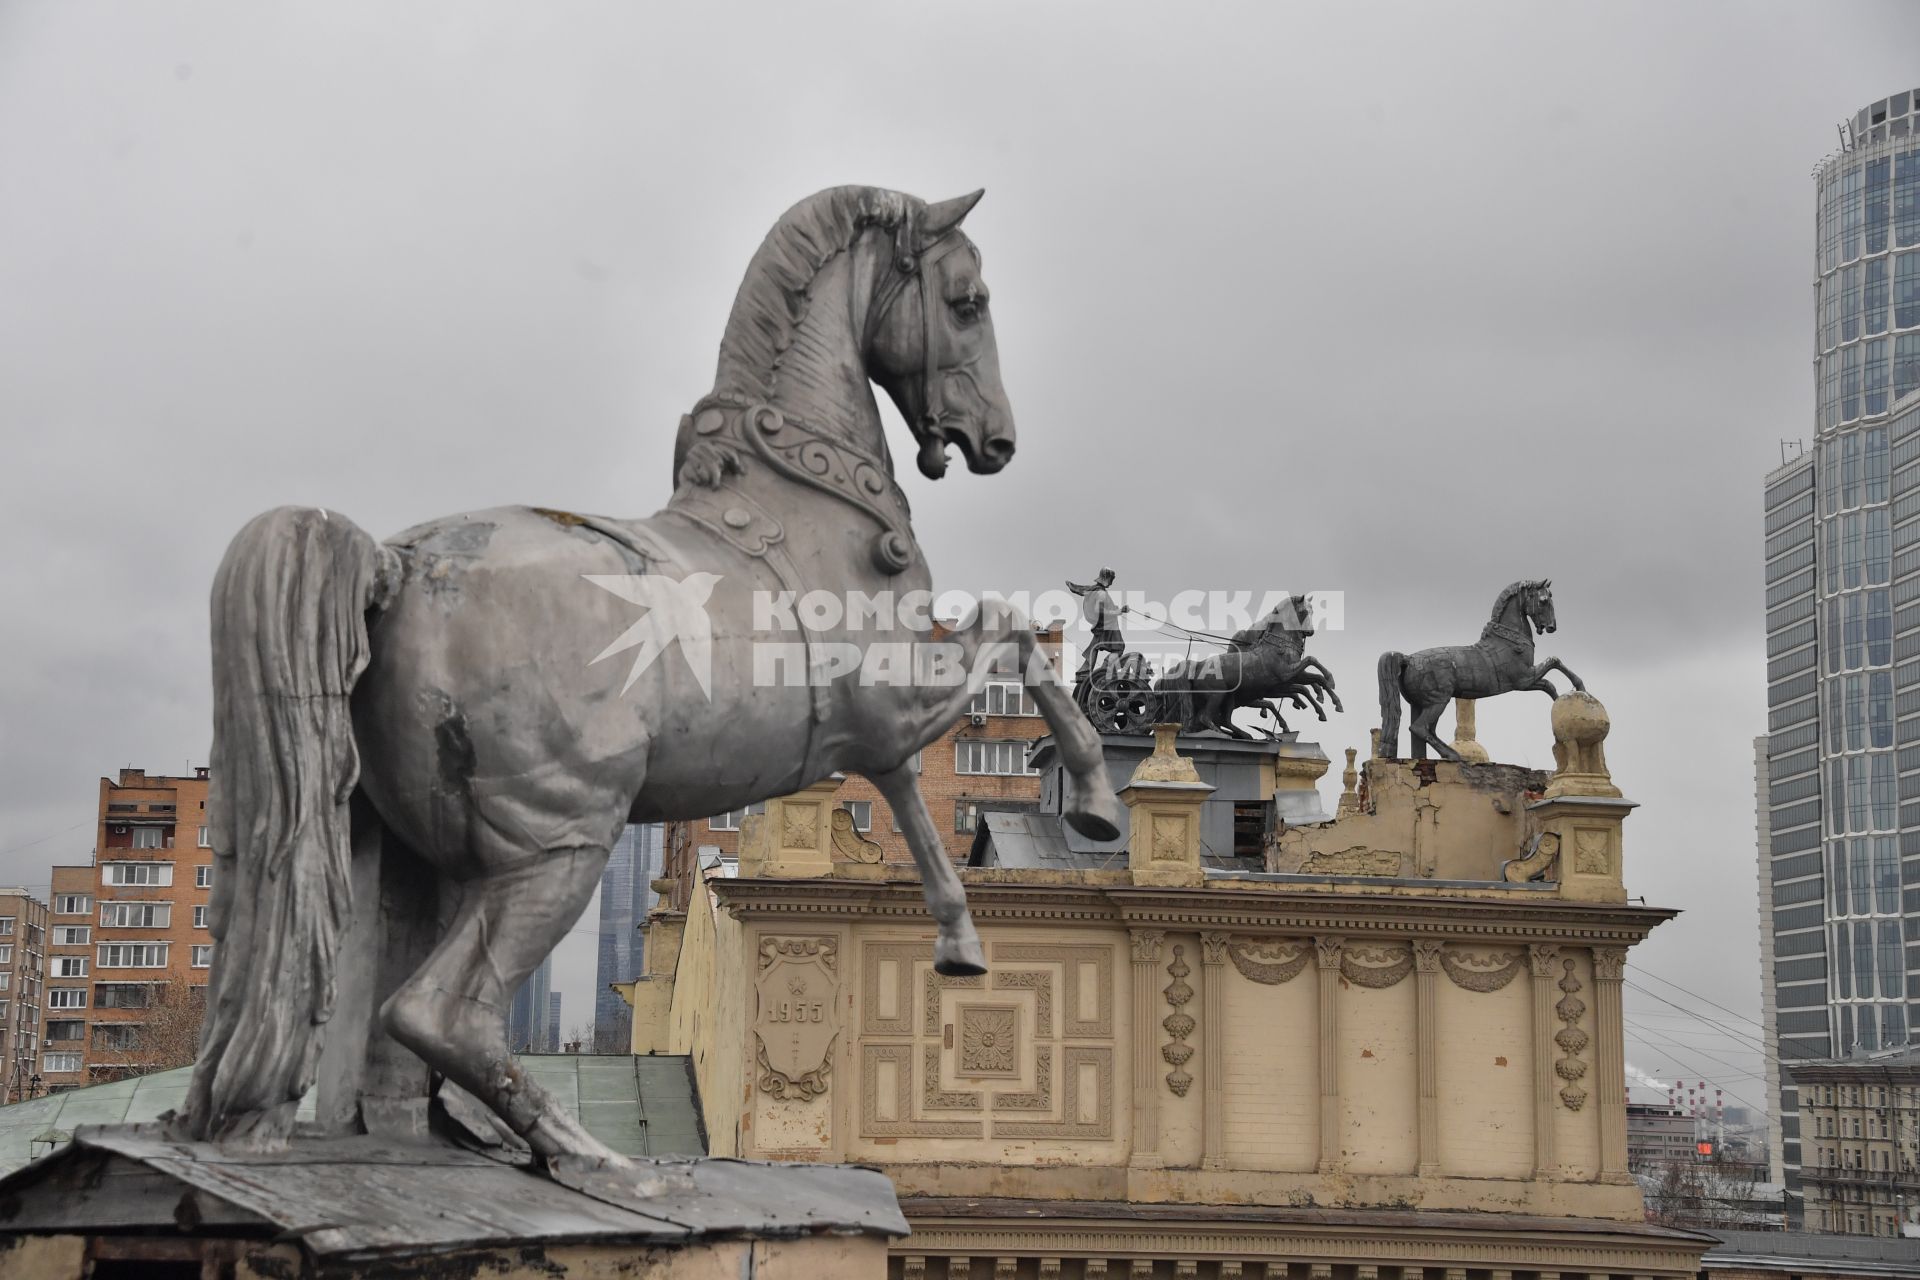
(793, 839)
(1587, 831)
(1163, 800)
(1582, 811)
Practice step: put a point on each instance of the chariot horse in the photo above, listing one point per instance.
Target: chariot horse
(439, 694)
(1267, 660)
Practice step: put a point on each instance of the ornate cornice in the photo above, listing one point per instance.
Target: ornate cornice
(1525, 917)
(1394, 1239)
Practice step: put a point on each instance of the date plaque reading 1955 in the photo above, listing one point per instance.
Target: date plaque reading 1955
(796, 1016)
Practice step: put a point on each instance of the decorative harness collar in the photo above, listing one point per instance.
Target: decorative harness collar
(1523, 636)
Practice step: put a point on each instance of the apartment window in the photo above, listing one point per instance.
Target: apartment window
(72, 935)
(73, 904)
(133, 955)
(118, 1036)
(6, 981)
(158, 875)
(66, 997)
(205, 840)
(730, 821)
(203, 877)
(67, 1029)
(200, 916)
(156, 837)
(136, 915)
(6, 926)
(202, 955)
(6, 953)
(53, 1063)
(984, 757)
(1003, 698)
(123, 995)
(862, 811)
(69, 967)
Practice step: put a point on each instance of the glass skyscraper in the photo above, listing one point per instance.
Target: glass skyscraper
(1840, 784)
(626, 895)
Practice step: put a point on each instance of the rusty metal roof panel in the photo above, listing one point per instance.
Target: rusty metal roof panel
(364, 1195)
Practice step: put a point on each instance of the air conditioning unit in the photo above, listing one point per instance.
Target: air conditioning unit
(977, 718)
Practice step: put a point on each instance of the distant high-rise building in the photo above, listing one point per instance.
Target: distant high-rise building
(527, 1015)
(129, 948)
(23, 948)
(553, 1044)
(626, 896)
(1840, 833)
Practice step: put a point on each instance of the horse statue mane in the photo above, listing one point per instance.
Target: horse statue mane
(1505, 598)
(775, 293)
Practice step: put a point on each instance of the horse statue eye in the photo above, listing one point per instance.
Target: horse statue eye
(966, 311)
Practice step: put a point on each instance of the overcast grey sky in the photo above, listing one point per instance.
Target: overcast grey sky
(1406, 301)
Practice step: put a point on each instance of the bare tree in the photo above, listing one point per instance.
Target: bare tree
(159, 1037)
(615, 1034)
(1712, 1194)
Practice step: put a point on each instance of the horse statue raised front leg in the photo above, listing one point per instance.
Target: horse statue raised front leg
(1501, 661)
(490, 696)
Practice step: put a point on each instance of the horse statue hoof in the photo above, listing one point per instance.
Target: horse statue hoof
(1092, 809)
(957, 952)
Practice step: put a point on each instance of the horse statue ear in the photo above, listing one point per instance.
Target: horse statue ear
(948, 214)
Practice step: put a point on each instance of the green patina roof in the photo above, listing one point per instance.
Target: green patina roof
(639, 1106)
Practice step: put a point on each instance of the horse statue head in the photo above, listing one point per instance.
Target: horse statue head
(1537, 603)
(857, 284)
(930, 343)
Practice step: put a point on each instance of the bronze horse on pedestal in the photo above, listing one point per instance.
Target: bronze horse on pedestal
(1501, 662)
(441, 695)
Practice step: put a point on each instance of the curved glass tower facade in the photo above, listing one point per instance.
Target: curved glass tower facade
(1839, 786)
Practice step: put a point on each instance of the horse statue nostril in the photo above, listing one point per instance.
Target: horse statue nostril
(998, 448)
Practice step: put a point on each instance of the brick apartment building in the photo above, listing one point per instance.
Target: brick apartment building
(128, 945)
(1860, 1142)
(23, 945)
(978, 766)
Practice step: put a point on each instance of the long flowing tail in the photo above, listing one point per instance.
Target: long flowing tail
(1392, 667)
(289, 641)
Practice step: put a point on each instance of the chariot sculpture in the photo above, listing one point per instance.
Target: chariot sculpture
(1262, 666)
(1501, 661)
(440, 690)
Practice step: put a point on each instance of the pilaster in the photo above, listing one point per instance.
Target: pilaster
(1327, 952)
(1146, 1095)
(1610, 1062)
(1426, 976)
(1543, 958)
(1213, 1049)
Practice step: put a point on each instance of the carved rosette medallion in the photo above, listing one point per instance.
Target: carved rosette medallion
(989, 1035)
(796, 1018)
(1592, 852)
(1571, 1039)
(1179, 1024)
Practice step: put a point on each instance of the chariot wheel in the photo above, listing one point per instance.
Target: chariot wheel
(1120, 701)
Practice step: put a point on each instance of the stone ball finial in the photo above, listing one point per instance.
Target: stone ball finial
(1580, 727)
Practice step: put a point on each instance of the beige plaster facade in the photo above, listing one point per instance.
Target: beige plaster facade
(1207, 1075)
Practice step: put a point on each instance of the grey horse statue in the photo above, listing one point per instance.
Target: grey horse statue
(1501, 661)
(440, 697)
(1267, 660)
